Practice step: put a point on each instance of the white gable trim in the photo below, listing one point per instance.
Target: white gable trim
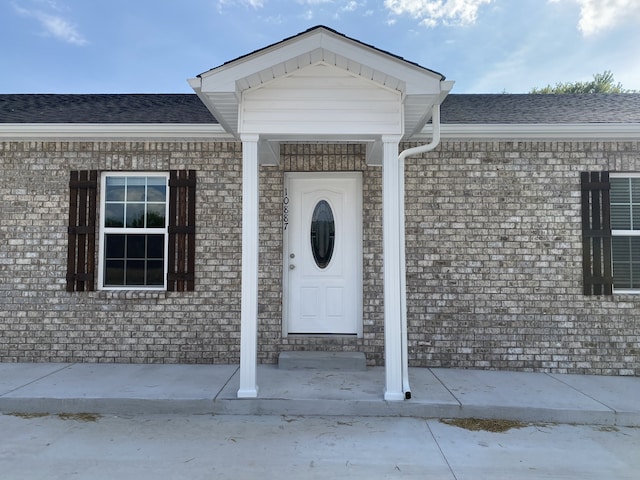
(311, 47)
(223, 89)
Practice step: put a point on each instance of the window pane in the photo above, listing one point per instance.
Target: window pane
(621, 275)
(620, 190)
(322, 234)
(114, 215)
(634, 249)
(114, 247)
(635, 216)
(114, 189)
(155, 246)
(114, 273)
(156, 189)
(635, 189)
(136, 189)
(136, 246)
(135, 215)
(620, 217)
(626, 262)
(155, 272)
(621, 262)
(135, 272)
(155, 215)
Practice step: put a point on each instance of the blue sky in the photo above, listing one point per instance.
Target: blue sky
(153, 46)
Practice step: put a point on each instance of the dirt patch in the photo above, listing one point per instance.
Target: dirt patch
(79, 417)
(28, 415)
(608, 428)
(486, 425)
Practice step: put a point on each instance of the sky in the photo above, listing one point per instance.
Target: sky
(154, 46)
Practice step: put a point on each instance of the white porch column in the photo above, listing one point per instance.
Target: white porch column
(249, 306)
(393, 303)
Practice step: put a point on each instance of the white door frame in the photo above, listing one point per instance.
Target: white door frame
(285, 243)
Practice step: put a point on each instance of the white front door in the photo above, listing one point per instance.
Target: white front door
(323, 253)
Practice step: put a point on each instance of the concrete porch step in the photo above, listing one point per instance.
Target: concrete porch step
(322, 361)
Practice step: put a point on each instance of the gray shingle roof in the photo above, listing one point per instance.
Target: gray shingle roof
(527, 108)
(107, 108)
(187, 108)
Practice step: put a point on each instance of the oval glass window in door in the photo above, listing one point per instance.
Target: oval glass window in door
(323, 233)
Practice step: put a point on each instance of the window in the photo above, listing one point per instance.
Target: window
(133, 230)
(625, 230)
(146, 235)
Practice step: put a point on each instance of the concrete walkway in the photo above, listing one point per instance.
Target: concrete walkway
(124, 389)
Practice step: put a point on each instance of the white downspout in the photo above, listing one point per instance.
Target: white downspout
(435, 120)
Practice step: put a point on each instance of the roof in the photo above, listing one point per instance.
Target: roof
(540, 108)
(188, 109)
(104, 108)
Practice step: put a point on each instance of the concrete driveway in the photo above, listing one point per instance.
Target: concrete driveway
(263, 447)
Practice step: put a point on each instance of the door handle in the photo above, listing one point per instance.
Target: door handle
(292, 266)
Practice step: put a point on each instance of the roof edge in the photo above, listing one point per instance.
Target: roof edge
(332, 32)
(535, 131)
(155, 131)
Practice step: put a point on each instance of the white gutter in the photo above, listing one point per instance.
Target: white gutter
(592, 132)
(435, 121)
(165, 131)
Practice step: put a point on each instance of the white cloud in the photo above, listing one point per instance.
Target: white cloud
(61, 28)
(350, 6)
(250, 3)
(599, 15)
(314, 2)
(55, 25)
(434, 12)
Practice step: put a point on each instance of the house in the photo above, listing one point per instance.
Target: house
(272, 211)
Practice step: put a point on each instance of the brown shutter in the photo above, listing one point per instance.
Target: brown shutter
(596, 233)
(82, 231)
(182, 230)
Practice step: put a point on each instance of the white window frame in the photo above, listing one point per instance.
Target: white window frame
(124, 230)
(622, 233)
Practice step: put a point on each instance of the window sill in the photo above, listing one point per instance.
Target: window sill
(626, 292)
(130, 294)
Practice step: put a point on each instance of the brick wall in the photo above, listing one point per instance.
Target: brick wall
(493, 255)
(40, 321)
(494, 260)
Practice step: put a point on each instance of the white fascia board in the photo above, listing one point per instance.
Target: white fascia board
(417, 80)
(223, 78)
(551, 131)
(162, 131)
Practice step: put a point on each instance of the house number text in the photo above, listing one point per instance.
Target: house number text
(285, 209)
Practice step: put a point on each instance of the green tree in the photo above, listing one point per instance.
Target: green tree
(601, 83)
